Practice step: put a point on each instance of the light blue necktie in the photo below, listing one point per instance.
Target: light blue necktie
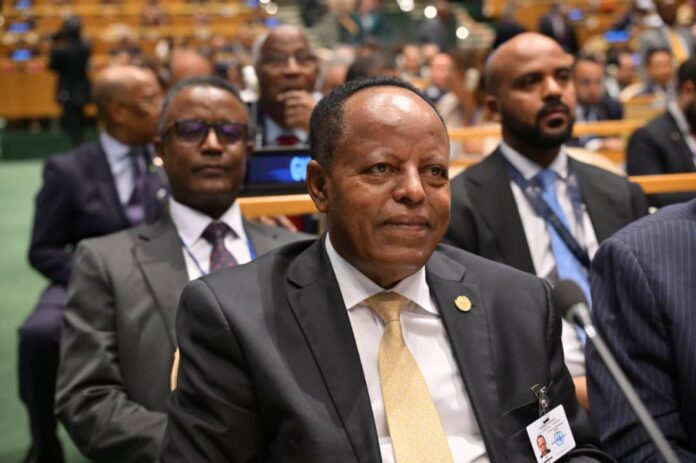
(567, 265)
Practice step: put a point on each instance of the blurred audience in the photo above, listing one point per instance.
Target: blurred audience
(185, 63)
(555, 24)
(659, 80)
(665, 33)
(372, 65)
(621, 72)
(100, 187)
(440, 30)
(666, 145)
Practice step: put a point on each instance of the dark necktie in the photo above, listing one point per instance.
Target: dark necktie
(220, 257)
(135, 207)
(287, 140)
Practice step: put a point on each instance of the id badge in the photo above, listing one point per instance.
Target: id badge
(550, 436)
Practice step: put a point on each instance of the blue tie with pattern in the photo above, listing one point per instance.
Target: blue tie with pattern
(220, 257)
(567, 265)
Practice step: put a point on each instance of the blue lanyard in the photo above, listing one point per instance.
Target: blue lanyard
(252, 255)
(533, 194)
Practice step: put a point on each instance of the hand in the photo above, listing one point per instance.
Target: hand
(298, 108)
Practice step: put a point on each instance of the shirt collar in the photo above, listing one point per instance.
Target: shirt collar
(356, 287)
(191, 223)
(273, 131)
(114, 149)
(529, 168)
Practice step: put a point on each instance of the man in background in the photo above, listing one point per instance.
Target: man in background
(529, 204)
(287, 71)
(125, 287)
(99, 188)
(666, 144)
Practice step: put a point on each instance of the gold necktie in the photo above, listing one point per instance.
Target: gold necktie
(414, 425)
(680, 52)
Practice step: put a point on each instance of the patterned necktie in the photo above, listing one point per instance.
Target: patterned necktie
(414, 425)
(220, 257)
(135, 207)
(567, 265)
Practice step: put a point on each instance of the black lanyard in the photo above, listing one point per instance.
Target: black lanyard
(533, 194)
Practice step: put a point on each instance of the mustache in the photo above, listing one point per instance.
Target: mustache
(551, 107)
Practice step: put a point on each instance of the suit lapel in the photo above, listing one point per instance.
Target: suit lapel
(158, 254)
(490, 192)
(262, 239)
(97, 168)
(605, 204)
(316, 302)
(471, 342)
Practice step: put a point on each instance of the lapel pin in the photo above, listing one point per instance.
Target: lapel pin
(675, 136)
(463, 303)
(157, 161)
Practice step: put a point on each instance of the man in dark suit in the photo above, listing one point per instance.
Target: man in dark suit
(666, 145)
(125, 287)
(287, 69)
(281, 360)
(556, 25)
(69, 59)
(99, 188)
(504, 208)
(644, 298)
(593, 103)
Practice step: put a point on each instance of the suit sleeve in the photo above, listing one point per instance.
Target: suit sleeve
(624, 311)
(644, 156)
(48, 252)
(91, 399)
(213, 413)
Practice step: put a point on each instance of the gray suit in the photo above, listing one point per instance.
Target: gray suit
(118, 338)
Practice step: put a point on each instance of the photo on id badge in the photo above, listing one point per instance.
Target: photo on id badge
(550, 436)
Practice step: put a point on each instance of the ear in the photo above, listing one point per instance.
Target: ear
(317, 180)
(492, 106)
(248, 149)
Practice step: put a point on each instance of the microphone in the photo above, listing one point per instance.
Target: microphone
(570, 300)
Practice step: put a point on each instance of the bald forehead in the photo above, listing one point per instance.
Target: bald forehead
(521, 52)
(285, 35)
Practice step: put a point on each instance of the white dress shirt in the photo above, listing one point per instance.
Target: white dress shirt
(539, 240)
(427, 339)
(120, 164)
(273, 131)
(191, 223)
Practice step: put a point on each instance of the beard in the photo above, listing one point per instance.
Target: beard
(534, 135)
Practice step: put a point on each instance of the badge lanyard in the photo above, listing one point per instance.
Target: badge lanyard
(252, 255)
(544, 210)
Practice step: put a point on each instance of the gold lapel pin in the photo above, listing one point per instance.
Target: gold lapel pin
(463, 303)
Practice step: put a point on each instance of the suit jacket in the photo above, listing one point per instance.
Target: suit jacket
(118, 338)
(644, 297)
(660, 148)
(270, 369)
(485, 219)
(78, 200)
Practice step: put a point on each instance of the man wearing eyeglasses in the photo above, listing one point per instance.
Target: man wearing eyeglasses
(287, 70)
(98, 188)
(118, 341)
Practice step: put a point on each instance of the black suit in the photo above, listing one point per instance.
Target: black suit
(660, 148)
(69, 60)
(123, 298)
(78, 200)
(270, 369)
(485, 219)
(569, 41)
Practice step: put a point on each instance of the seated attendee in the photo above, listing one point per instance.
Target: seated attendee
(593, 104)
(101, 187)
(375, 64)
(373, 343)
(529, 204)
(557, 25)
(118, 337)
(287, 71)
(666, 33)
(666, 145)
(659, 79)
(643, 306)
(621, 72)
(185, 63)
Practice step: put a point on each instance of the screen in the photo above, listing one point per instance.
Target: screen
(276, 171)
(617, 36)
(19, 28)
(576, 14)
(21, 54)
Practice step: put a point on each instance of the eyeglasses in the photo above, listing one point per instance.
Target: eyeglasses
(279, 60)
(194, 132)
